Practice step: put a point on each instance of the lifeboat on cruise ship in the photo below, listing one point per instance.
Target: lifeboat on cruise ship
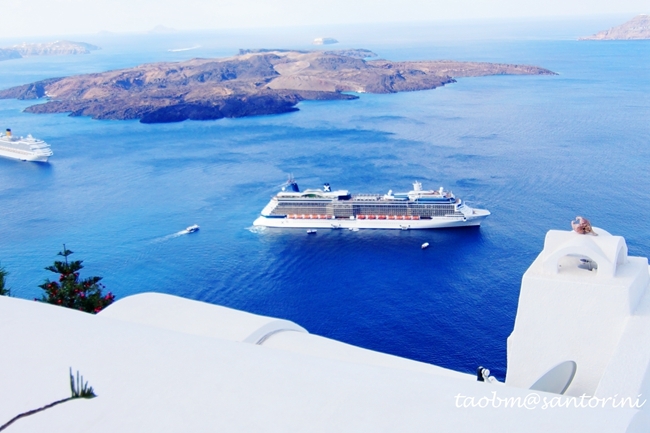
(381, 217)
(361, 217)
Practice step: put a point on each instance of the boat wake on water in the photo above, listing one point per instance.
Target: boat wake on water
(168, 237)
(187, 231)
(178, 50)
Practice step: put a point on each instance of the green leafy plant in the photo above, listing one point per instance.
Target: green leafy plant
(78, 388)
(4, 290)
(71, 291)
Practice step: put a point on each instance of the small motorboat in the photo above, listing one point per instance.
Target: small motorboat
(192, 229)
(311, 232)
(425, 245)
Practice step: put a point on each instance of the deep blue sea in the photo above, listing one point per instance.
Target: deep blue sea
(535, 151)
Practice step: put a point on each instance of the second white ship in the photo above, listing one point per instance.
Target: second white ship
(24, 148)
(416, 209)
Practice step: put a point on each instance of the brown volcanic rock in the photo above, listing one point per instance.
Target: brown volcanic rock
(252, 83)
(29, 91)
(637, 28)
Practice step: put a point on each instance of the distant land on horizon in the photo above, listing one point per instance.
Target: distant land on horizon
(160, 29)
(635, 29)
(254, 82)
(46, 49)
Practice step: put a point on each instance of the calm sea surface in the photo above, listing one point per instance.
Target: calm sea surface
(535, 151)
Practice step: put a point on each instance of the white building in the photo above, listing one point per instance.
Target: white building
(160, 363)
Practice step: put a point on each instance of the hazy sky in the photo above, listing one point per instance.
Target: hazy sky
(60, 17)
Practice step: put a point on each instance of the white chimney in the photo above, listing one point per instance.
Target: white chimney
(574, 305)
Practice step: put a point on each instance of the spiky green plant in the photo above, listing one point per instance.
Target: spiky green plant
(78, 388)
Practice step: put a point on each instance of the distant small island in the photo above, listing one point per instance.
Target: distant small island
(46, 49)
(637, 28)
(255, 82)
(325, 41)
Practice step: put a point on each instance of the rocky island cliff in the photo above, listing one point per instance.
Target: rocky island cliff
(254, 82)
(8, 54)
(637, 28)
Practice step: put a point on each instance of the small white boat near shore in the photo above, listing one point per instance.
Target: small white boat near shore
(425, 245)
(192, 228)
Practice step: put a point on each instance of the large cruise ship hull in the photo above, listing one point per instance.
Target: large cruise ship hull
(326, 209)
(399, 224)
(23, 156)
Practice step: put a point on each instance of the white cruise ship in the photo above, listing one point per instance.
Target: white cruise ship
(24, 148)
(417, 209)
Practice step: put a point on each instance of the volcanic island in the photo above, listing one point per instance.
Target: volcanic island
(254, 82)
(638, 28)
(46, 49)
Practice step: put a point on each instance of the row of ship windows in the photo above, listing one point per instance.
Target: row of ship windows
(364, 206)
(16, 149)
(364, 210)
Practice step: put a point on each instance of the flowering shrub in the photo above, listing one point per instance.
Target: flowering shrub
(72, 292)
